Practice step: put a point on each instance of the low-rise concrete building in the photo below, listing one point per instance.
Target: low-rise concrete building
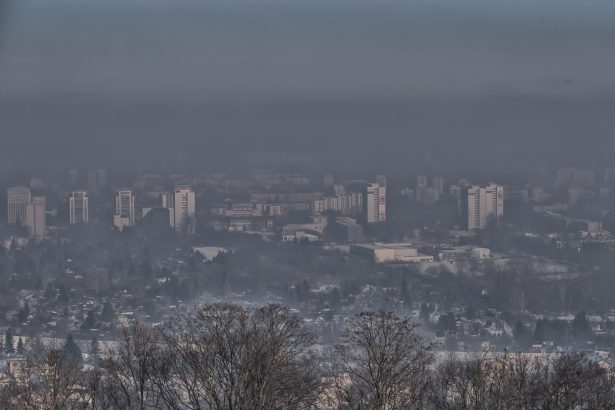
(390, 253)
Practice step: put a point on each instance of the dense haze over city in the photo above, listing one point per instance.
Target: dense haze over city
(522, 81)
(293, 204)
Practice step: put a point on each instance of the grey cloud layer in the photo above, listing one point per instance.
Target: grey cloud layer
(308, 50)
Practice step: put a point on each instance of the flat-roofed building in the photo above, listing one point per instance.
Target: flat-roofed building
(36, 217)
(17, 199)
(78, 208)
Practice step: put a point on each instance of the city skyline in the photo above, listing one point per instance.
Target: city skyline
(307, 204)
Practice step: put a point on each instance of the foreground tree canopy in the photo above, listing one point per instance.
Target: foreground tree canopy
(225, 356)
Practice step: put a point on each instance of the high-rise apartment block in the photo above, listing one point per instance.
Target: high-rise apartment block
(574, 176)
(36, 218)
(375, 203)
(345, 204)
(184, 207)
(97, 180)
(78, 208)
(124, 210)
(437, 183)
(481, 206)
(17, 199)
(381, 180)
(166, 202)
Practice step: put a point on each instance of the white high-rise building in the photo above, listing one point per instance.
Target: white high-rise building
(470, 207)
(17, 197)
(381, 180)
(184, 207)
(375, 203)
(494, 202)
(124, 210)
(481, 206)
(36, 218)
(78, 207)
(166, 202)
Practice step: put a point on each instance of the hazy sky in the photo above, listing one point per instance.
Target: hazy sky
(297, 49)
(88, 72)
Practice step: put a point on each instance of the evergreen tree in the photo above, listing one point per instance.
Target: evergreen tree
(108, 314)
(447, 322)
(470, 312)
(71, 351)
(9, 347)
(24, 312)
(63, 296)
(90, 321)
(520, 332)
(36, 348)
(522, 335)
(94, 350)
(580, 325)
(21, 349)
(50, 292)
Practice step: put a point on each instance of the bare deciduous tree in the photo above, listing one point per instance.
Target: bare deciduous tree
(132, 369)
(571, 381)
(227, 357)
(461, 384)
(384, 364)
(52, 382)
(567, 381)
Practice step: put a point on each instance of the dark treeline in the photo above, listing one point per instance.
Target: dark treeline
(228, 357)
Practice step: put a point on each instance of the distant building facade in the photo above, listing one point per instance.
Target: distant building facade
(344, 229)
(184, 209)
(375, 203)
(482, 205)
(97, 180)
(389, 253)
(78, 208)
(17, 199)
(36, 217)
(124, 210)
(346, 204)
(574, 176)
(437, 183)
